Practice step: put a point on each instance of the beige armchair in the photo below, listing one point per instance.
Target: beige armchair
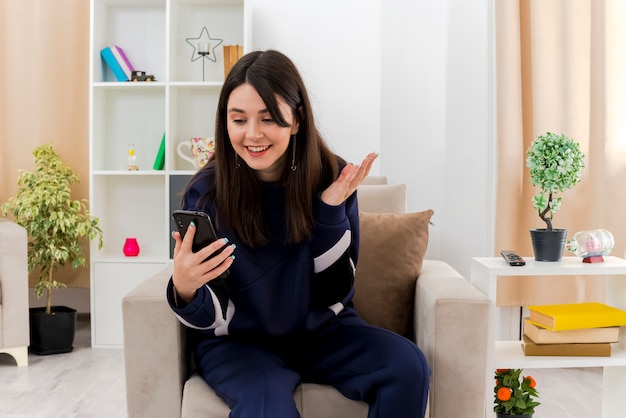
(448, 318)
(14, 325)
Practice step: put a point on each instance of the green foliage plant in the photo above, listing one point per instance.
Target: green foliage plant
(55, 223)
(514, 393)
(556, 163)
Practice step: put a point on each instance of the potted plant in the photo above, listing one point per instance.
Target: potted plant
(555, 163)
(514, 394)
(56, 227)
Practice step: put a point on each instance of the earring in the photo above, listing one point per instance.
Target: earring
(293, 156)
(237, 164)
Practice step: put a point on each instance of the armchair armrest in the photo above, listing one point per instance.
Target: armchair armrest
(155, 351)
(14, 325)
(451, 327)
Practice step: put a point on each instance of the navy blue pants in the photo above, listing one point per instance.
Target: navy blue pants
(257, 377)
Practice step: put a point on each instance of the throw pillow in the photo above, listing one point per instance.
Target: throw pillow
(391, 254)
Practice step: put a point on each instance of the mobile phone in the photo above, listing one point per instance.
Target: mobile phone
(205, 233)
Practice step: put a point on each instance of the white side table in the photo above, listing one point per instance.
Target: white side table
(485, 272)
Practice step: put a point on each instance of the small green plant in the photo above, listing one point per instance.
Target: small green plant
(556, 163)
(514, 396)
(55, 223)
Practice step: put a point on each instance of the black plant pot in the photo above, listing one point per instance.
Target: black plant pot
(548, 245)
(53, 333)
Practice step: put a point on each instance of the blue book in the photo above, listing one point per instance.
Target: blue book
(115, 66)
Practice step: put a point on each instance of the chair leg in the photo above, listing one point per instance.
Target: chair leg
(20, 354)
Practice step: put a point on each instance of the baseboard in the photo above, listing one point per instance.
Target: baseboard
(75, 297)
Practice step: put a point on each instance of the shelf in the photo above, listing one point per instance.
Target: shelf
(122, 116)
(133, 3)
(139, 27)
(131, 206)
(180, 105)
(123, 85)
(509, 354)
(201, 84)
(183, 172)
(570, 266)
(224, 21)
(486, 272)
(138, 173)
(119, 258)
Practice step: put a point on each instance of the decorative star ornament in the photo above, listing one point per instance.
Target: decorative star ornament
(204, 37)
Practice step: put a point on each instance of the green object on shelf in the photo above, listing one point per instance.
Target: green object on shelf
(159, 162)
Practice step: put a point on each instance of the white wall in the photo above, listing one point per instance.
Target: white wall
(336, 47)
(412, 80)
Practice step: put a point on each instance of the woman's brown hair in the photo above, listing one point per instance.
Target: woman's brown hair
(237, 194)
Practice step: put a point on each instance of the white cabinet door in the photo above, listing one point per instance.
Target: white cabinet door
(111, 282)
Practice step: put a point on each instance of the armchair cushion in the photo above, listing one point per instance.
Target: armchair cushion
(391, 254)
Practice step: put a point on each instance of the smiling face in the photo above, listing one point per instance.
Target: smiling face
(255, 136)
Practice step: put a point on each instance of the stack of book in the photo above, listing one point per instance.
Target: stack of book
(574, 329)
(118, 62)
(232, 53)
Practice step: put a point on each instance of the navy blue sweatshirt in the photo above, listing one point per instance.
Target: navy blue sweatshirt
(279, 289)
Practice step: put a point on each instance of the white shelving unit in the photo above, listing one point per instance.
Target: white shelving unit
(485, 273)
(181, 104)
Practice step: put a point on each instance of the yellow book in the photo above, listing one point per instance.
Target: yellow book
(568, 316)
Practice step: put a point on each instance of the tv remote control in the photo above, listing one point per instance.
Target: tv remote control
(512, 258)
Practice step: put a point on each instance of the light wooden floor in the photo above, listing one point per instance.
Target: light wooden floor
(89, 383)
(86, 383)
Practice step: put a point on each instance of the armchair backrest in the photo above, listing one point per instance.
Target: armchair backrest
(382, 198)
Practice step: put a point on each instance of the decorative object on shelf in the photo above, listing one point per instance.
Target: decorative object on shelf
(204, 47)
(514, 393)
(201, 150)
(141, 76)
(132, 158)
(159, 161)
(555, 163)
(131, 247)
(232, 53)
(56, 226)
(591, 245)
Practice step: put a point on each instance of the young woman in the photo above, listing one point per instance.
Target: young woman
(287, 209)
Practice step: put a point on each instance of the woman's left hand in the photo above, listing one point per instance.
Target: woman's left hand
(349, 178)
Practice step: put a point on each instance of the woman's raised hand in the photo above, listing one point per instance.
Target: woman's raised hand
(349, 178)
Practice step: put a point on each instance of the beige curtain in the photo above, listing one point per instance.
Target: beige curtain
(44, 92)
(561, 67)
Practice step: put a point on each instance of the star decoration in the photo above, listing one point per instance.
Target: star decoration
(204, 36)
